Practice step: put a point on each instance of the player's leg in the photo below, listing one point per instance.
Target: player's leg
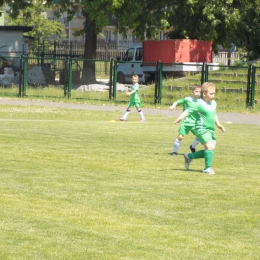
(176, 145)
(183, 130)
(188, 157)
(123, 118)
(204, 138)
(139, 110)
(194, 143)
(209, 155)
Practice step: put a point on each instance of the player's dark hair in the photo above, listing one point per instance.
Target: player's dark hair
(194, 86)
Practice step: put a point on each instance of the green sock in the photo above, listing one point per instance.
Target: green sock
(197, 155)
(209, 154)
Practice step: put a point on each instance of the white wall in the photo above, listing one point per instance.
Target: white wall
(14, 41)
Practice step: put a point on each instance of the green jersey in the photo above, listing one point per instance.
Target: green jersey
(188, 103)
(205, 115)
(135, 98)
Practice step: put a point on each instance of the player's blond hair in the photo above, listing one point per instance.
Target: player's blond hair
(206, 86)
(135, 76)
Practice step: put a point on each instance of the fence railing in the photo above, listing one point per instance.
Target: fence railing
(226, 58)
(100, 79)
(107, 51)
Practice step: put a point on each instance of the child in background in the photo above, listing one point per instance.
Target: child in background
(134, 100)
(188, 124)
(206, 119)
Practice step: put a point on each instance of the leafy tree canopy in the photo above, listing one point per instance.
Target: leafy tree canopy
(247, 30)
(223, 22)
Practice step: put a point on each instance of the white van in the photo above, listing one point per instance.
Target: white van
(131, 64)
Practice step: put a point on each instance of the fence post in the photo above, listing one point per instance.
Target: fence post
(203, 73)
(252, 94)
(160, 83)
(157, 78)
(54, 50)
(25, 61)
(111, 79)
(68, 82)
(229, 58)
(115, 80)
(20, 76)
(106, 58)
(248, 92)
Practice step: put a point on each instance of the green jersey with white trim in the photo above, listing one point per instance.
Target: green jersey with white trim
(135, 96)
(205, 113)
(188, 102)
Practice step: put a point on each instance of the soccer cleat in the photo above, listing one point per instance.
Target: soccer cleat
(187, 161)
(193, 150)
(208, 171)
(174, 154)
(142, 120)
(121, 119)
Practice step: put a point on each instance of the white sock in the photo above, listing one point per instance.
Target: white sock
(126, 114)
(141, 114)
(195, 142)
(176, 145)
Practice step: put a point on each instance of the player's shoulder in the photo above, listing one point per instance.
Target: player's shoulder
(191, 99)
(208, 105)
(181, 100)
(188, 99)
(135, 86)
(214, 104)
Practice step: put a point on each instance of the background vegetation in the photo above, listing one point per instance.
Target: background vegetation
(223, 22)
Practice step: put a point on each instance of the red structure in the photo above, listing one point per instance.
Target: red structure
(173, 51)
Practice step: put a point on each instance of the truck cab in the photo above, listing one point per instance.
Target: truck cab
(131, 64)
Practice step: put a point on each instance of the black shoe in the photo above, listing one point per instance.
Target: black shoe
(174, 154)
(193, 150)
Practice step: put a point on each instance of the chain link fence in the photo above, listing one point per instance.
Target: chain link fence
(109, 80)
(236, 86)
(43, 77)
(10, 75)
(90, 79)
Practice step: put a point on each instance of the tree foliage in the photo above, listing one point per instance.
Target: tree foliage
(210, 20)
(223, 22)
(247, 30)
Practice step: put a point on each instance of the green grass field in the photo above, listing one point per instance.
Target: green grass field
(76, 185)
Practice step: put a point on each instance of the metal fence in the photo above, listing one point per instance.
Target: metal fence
(75, 78)
(236, 86)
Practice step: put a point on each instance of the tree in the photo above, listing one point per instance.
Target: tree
(130, 14)
(210, 20)
(223, 22)
(247, 31)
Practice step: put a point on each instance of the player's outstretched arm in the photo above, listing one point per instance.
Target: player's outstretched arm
(182, 116)
(221, 127)
(173, 105)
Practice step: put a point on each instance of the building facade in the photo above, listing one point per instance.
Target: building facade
(108, 34)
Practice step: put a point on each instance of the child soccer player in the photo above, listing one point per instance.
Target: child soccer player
(206, 119)
(134, 100)
(188, 123)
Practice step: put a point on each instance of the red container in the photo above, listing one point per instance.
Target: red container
(173, 51)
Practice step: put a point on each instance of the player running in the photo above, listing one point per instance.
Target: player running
(206, 119)
(187, 124)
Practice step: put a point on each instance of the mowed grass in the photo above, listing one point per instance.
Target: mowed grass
(80, 184)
